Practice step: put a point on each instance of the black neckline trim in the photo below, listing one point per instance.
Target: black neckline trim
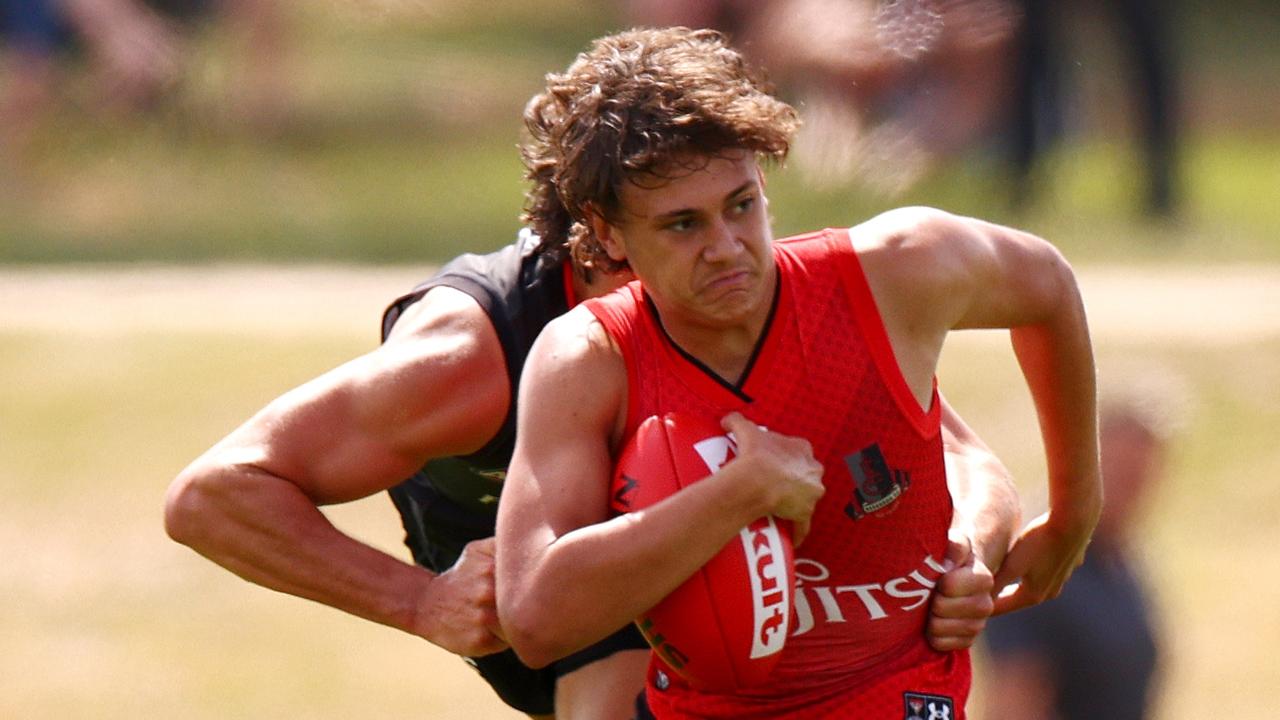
(736, 389)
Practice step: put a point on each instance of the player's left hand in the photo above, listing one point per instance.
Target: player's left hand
(961, 602)
(1042, 560)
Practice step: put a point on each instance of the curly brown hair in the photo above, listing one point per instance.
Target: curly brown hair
(644, 102)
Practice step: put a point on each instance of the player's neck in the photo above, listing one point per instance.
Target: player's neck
(725, 348)
(588, 284)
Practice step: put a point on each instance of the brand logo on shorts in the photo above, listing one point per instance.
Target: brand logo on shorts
(876, 485)
(920, 706)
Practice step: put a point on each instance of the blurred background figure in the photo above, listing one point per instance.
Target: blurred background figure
(887, 86)
(131, 54)
(892, 88)
(31, 32)
(1093, 653)
(1143, 34)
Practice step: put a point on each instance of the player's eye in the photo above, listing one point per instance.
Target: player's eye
(744, 205)
(684, 224)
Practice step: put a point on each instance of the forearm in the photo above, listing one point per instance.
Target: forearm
(1056, 358)
(987, 508)
(589, 582)
(265, 530)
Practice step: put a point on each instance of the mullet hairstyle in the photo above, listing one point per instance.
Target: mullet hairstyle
(647, 102)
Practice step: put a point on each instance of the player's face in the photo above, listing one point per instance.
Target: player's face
(700, 243)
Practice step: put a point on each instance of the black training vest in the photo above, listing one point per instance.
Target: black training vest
(453, 500)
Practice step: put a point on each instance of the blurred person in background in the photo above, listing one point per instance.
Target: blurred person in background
(893, 87)
(139, 49)
(1038, 109)
(31, 32)
(889, 86)
(133, 53)
(1093, 652)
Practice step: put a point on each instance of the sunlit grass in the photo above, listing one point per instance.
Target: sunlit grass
(108, 618)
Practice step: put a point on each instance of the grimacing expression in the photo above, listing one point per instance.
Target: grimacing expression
(700, 240)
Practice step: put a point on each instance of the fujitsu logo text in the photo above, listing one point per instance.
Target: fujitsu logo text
(857, 603)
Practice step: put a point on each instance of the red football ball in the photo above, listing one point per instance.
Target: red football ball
(725, 627)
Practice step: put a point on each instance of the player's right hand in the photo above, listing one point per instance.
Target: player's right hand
(458, 611)
(786, 468)
(961, 604)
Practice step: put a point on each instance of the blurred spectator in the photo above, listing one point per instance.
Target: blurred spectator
(892, 86)
(1092, 653)
(133, 52)
(31, 31)
(1147, 46)
(889, 86)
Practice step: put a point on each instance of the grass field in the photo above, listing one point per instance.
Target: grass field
(115, 378)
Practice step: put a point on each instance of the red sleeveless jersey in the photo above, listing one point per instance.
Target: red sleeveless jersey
(824, 370)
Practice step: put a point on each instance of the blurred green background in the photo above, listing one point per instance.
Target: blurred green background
(402, 118)
(164, 275)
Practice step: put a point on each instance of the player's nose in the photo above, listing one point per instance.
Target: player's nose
(723, 242)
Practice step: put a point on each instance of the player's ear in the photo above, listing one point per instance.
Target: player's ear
(607, 235)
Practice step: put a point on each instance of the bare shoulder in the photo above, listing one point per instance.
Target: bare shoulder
(437, 387)
(914, 259)
(577, 337)
(442, 311)
(443, 356)
(931, 265)
(912, 239)
(442, 361)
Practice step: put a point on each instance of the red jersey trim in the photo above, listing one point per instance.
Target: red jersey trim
(571, 297)
(926, 424)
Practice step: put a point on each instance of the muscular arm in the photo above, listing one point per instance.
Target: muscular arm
(931, 273)
(566, 575)
(437, 386)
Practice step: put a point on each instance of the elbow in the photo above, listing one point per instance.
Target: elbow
(530, 629)
(532, 652)
(186, 506)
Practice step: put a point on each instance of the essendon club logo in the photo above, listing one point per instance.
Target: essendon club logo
(928, 707)
(875, 485)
